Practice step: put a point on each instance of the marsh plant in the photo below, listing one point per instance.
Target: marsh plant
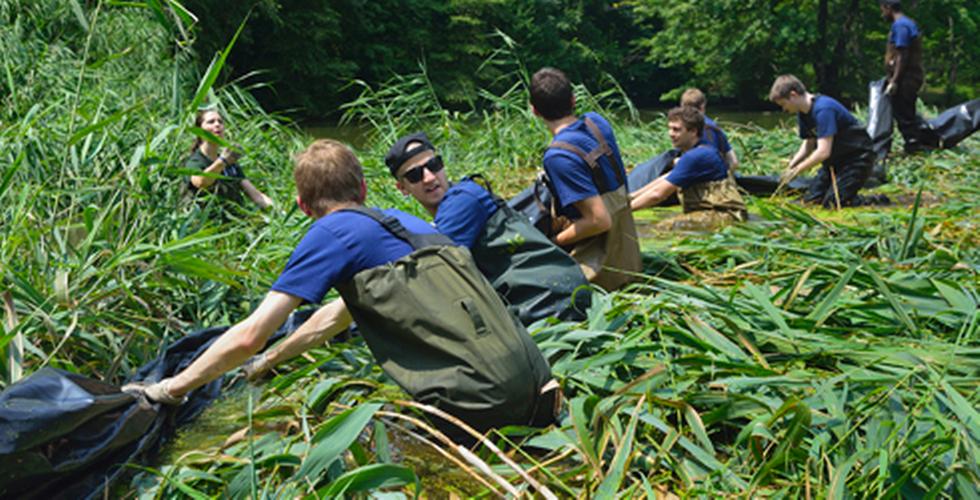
(805, 354)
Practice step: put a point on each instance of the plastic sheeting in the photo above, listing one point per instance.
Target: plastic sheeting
(879, 118)
(64, 435)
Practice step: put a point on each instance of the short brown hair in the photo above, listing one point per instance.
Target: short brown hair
(693, 97)
(692, 118)
(551, 93)
(327, 173)
(785, 84)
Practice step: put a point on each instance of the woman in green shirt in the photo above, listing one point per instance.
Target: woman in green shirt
(206, 157)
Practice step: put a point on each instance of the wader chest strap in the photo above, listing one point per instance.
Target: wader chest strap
(393, 226)
(592, 157)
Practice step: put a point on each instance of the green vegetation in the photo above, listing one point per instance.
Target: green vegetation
(809, 353)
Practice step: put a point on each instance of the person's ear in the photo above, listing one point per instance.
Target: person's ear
(363, 194)
(534, 110)
(573, 103)
(302, 206)
(401, 187)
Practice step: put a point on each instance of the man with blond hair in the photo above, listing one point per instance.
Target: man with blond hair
(831, 137)
(434, 324)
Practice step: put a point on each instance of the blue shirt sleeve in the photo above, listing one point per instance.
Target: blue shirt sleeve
(570, 177)
(461, 217)
(901, 35)
(318, 263)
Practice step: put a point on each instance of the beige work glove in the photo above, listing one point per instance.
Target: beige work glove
(256, 367)
(157, 393)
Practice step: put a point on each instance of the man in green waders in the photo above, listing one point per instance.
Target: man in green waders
(584, 172)
(701, 178)
(432, 321)
(533, 275)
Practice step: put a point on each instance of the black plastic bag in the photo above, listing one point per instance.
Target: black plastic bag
(535, 204)
(650, 170)
(956, 123)
(879, 118)
(64, 435)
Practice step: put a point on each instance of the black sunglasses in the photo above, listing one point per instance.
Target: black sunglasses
(414, 175)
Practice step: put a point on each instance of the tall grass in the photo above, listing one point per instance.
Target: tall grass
(807, 354)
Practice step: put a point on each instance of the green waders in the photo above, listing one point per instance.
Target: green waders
(708, 206)
(604, 256)
(535, 276)
(438, 329)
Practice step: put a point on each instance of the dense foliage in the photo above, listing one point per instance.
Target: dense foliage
(808, 353)
(309, 51)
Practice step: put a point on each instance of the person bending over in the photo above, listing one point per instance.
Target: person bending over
(431, 320)
(832, 137)
(701, 178)
(585, 174)
(534, 276)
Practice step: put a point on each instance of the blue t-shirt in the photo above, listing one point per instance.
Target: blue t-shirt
(826, 118)
(464, 211)
(697, 165)
(571, 177)
(903, 31)
(715, 136)
(340, 245)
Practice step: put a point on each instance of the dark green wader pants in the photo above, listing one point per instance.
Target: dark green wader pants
(536, 277)
(439, 330)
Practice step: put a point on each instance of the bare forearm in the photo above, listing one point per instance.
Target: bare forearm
(258, 197)
(327, 322)
(652, 194)
(801, 154)
(202, 182)
(899, 66)
(731, 160)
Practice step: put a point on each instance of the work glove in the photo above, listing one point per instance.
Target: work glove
(891, 88)
(256, 367)
(158, 392)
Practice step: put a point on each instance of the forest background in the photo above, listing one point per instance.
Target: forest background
(301, 55)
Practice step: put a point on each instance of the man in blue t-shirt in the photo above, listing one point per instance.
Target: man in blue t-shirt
(535, 276)
(700, 176)
(905, 75)
(713, 134)
(338, 246)
(588, 184)
(832, 137)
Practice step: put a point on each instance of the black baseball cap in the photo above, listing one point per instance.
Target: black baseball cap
(397, 155)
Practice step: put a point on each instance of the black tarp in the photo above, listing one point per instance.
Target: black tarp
(957, 123)
(64, 435)
(879, 119)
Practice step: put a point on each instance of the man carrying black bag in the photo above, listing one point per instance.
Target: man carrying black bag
(432, 321)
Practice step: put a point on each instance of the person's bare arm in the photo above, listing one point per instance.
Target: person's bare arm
(821, 153)
(899, 67)
(327, 322)
(258, 197)
(806, 147)
(595, 220)
(236, 345)
(226, 158)
(652, 194)
(731, 160)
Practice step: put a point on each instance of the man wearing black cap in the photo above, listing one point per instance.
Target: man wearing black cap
(536, 277)
(905, 74)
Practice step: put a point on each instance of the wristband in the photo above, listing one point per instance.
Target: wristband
(223, 160)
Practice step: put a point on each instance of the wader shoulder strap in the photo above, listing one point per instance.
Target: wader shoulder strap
(592, 157)
(393, 226)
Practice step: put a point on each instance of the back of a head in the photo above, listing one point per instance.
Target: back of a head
(551, 94)
(327, 173)
(694, 97)
(894, 5)
(691, 117)
(784, 85)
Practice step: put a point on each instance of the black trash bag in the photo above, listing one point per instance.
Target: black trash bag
(764, 185)
(650, 170)
(535, 203)
(879, 119)
(957, 123)
(64, 435)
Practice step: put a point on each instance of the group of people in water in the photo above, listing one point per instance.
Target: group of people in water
(444, 307)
